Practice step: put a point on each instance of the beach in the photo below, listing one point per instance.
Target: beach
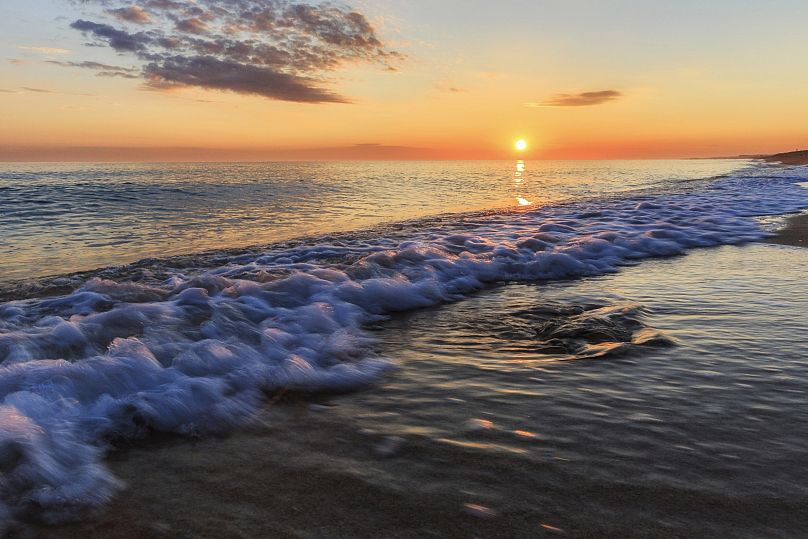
(415, 269)
(616, 362)
(477, 433)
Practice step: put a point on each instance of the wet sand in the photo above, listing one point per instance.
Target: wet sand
(794, 233)
(315, 474)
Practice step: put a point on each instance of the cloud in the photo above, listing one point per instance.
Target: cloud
(448, 88)
(45, 91)
(37, 90)
(17, 62)
(103, 70)
(583, 99)
(133, 14)
(212, 73)
(271, 48)
(44, 50)
(119, 40)
(192, 26)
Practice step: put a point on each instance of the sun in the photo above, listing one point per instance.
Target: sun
(521, 145)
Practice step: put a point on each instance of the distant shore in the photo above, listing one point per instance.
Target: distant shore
(789, 158)
(795, 158)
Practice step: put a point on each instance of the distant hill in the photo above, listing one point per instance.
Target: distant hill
(789, 158)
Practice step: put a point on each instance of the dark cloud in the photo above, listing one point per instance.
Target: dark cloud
(119, 40)
(279, 49)
(210, 72)
(583, 99)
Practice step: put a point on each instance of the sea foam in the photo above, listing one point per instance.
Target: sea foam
(115, 360)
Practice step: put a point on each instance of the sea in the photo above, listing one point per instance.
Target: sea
(402, 349)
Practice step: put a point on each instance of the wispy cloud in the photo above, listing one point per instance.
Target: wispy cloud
(449, 88)
(270, 48)
(582, 99)
(33, 90)
(38, 90)
(44, 50)
(103, 70)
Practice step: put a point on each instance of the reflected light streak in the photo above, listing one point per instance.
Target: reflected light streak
(518, 178)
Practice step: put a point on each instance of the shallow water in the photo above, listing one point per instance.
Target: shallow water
(61, 218)
(478, 433)
(721, 412)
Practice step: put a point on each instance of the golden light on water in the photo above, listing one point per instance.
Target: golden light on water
(521, 145)
(518, 178)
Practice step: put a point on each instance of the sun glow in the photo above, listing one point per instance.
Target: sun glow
(521, 145)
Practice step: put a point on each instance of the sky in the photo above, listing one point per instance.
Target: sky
(147, 80)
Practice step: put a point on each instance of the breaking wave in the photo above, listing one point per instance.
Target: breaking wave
(195, 354)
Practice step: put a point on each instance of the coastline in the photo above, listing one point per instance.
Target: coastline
(519, 457)
(797, 158)
(795, 233)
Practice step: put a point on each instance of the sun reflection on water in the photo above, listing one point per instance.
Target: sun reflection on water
(518, 180)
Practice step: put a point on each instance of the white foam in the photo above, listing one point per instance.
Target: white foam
(115, 360)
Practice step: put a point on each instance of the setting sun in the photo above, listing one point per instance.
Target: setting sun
(521, 145)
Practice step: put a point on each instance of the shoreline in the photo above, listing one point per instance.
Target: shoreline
(796, 158)
(380, 462)
(794, 234)
(154, 270)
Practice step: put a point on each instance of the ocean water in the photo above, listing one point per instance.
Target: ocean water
(194, 346)
(62, 218)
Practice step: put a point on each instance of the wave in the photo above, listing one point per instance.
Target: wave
(196, 354)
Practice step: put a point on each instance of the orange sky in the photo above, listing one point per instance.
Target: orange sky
(578, 81)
